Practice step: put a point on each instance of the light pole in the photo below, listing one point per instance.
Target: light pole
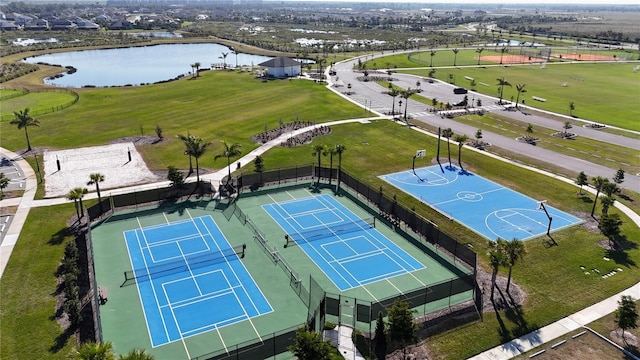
(400, 106)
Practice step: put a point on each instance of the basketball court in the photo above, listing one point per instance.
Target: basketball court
(485, 207)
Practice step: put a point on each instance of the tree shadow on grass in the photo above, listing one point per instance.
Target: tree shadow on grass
(61, 340)
(58, 237)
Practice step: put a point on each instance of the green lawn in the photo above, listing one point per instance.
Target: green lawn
(37, 102)
(604, 93)
(216, 105)
(27, 323)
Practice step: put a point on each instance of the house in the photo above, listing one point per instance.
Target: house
(120, 25)
(37, 24)
(282, 67)
(62, 24)
(83, 24)
(8, 26)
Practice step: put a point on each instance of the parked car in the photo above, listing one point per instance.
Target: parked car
(459, 90)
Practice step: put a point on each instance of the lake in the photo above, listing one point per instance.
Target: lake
(139, 65)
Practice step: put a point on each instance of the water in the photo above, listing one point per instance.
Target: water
(140, 65)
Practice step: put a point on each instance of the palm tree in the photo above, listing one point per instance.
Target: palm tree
(455, 56)
(76, 195)
(406, 94)
(607, 202)
(520, 89)
(515, 251)
(572, 106)
(598, 183)
(448, 133)
(502, 51)
(22, 119)
(502, 83)
(331, 152)
(96, 178)
(479, 51)
(432, 54)
(187, 140)
(197, 66)
(198, 148)
(94, 351)
(319, 150)
(229, 151)
(340, 148)
(497, 258)
(224, 60)
(136, 354)
(393, 92)
(460, 139)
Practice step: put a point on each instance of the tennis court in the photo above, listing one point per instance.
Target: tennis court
(348, 249)
(484, 206)
(190, 279)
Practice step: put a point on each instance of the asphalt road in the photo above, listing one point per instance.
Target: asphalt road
(372, 96)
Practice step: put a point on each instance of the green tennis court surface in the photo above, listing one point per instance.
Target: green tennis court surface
(123, 318)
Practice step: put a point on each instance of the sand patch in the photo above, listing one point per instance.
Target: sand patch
(76, 165)
(585, 57)
(512, 59)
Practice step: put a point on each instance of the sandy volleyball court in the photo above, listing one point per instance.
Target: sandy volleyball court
(76, 165)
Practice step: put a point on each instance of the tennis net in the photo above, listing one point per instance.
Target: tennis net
(329, 231)
(185, 264)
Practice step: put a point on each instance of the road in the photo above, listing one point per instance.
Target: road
(372, 96)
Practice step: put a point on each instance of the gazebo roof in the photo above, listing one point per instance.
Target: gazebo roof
(279, 62)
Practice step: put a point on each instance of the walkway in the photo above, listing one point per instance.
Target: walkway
(559, 328)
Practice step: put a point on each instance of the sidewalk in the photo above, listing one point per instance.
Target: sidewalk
(561, 327)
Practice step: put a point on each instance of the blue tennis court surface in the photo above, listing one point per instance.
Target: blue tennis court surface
(346, 248)
(190, 280)
(487, 208)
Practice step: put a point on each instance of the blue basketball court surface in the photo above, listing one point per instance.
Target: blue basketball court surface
(190, 280)
(487, 208)
(348, 249)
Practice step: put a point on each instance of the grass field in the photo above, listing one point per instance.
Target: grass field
(600, 92)
(216, 105)
(234, 106)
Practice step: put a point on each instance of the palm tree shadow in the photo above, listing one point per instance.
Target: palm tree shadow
(61, 340)
(59, 236)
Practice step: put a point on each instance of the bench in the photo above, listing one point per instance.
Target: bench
(102, 295)
(537, 98)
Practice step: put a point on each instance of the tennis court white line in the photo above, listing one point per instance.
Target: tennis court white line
(207, 296)
(198, 331)
(155, 294)
(276, 209)
(170, 240)
(234, 274)
(144, 313)
(173, 314)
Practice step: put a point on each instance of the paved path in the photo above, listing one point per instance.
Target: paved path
(559, 328)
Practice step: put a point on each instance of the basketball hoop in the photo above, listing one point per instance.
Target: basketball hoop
(541, 205)
(421, 154)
